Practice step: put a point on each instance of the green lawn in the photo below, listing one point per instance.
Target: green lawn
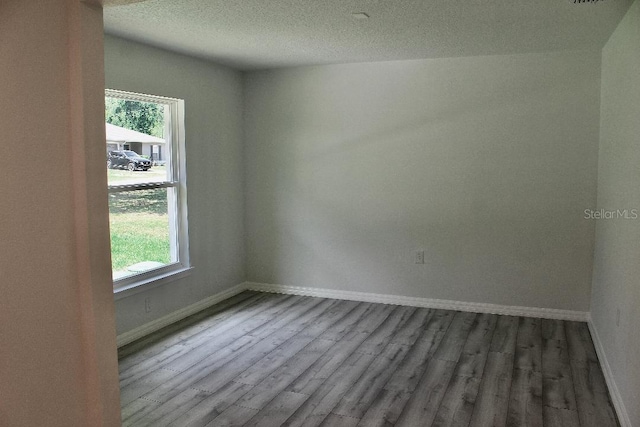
(123, 176)
(139, 227)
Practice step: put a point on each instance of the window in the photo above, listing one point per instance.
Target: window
(147, 188)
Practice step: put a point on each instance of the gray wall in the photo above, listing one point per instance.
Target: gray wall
(213, 105)
(616, 283)
(486, 163)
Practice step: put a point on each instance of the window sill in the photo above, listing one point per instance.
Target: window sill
(151, 283)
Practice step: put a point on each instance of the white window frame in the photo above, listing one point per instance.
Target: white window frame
(176, 185)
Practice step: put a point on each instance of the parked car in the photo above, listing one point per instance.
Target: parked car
(127, 159)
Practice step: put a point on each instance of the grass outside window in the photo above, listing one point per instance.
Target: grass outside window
(139, 222)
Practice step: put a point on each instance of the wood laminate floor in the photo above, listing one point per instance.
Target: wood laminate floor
(261, 359)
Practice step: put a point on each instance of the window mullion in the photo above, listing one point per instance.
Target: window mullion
(141, 186)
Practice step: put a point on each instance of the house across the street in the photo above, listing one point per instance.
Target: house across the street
(119, 138)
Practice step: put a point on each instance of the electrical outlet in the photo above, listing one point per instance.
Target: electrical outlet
(419, 257)
(147, 304)
(617, 317)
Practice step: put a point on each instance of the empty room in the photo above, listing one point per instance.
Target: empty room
(320, 213)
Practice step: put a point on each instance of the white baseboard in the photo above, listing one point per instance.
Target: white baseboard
(546, 313)
(616, 397)
(148, 328)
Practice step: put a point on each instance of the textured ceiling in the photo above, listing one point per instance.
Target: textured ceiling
(256, 34)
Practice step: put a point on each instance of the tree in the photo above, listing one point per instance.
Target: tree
(145, 117)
